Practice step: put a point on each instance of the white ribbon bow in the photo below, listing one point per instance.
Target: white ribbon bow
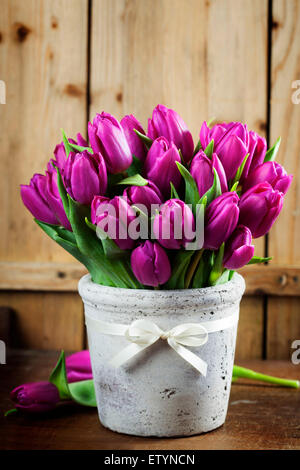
(144, 333)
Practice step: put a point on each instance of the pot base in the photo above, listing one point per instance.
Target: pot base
(182, 433)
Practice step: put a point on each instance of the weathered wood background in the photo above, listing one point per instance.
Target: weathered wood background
(64, 60)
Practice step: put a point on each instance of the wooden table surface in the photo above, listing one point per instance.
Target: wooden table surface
(259, 416)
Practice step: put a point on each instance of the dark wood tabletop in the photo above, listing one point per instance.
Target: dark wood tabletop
(259, 416)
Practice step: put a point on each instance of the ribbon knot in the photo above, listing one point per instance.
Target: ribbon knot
(143, 333)
(165, 335)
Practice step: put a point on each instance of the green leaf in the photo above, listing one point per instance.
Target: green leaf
(214, 191)
(80, 148)
(135, 180)
(135, 167)
(217, 269)
(197, 148)
(67, 145)
(272, 152)
(209, 149)
(205, 265)
(259, 259)
(234, 186)
(147, 141)
(90, 246)
(90, 225)
(180, 263)
(223, 278)
(174, 193)
(83, 392)
(191, 190)
(9, 412)
(110, 248)
(240, 170)
(200, 275)
(210, 121)
(62, 192)
(58, 377)
(115, 272)
(67, 241)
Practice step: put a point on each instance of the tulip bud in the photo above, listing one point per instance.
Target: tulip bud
(238, 248)
(36, 397)
(85, 176)
(174, 226)
(257, 152)
(160, 165)
(232, 142)
(202, 170)
(78, 367)
(272, 173)
(35, 198)
(150, 264)
(60, 152)
(221, 218)
(114, 216)
(108, 138)
(137, 147)
(145, 195)
(54, 199)
(259, 208)
(167, 123)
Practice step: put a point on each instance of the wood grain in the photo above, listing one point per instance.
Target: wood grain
(252, 422)
(43, 54)
(44, 65)
(283, 315)
(274, 280)
(249, 344)
(46, 320)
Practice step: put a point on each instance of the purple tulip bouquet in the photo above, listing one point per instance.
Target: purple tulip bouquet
(151, 210)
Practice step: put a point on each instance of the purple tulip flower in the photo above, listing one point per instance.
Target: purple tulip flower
(108, 138)
(85, 176)
(78, 366)
(160, 165)
(137, 147)
(145, 195)
(150, 264)
(232, 142)
(272, 173)
(174, 226)
(167, 123)
(35, 199)
(60, 153)
(238, 248)
(114, 216)
(257, 152)
(202, 170)
(35, 397)
(221, 218)
(259, 208)
(54, 199)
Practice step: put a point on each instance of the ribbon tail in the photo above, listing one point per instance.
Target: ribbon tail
(129, 352)
(188, 356)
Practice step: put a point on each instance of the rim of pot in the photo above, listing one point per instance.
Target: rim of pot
(228, 292)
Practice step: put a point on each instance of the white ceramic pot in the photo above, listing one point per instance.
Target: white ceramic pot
(158, 393)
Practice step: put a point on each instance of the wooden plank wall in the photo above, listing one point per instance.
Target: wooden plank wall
(64, 61)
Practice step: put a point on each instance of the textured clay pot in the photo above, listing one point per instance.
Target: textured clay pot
(158, 393)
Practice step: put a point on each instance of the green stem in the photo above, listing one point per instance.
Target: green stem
(242, 372)
(192, 268)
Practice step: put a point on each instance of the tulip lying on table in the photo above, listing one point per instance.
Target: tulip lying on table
(72, 380)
